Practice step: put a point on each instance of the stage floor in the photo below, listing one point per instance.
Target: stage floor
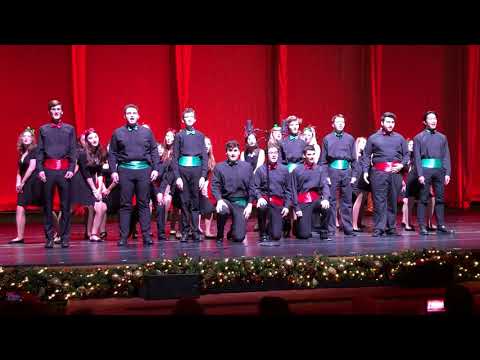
(81, 252)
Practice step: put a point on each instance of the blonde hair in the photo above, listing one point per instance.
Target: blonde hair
(314, 136)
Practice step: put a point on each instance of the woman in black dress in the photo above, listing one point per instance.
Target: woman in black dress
(89, 191)
(252, 153)
(28, 185)
(110, 194)
(360, 188)
(206, 207)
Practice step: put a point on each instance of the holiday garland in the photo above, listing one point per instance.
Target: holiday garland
(426, 267)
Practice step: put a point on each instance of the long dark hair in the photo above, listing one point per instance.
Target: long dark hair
(168, 149)
(95, 155)
(211, 158)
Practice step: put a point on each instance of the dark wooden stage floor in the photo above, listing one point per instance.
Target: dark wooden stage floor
(81, 252)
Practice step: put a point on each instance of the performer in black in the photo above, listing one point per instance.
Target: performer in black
(28, 185)
(310, 194)
(90, 162)
(388, 152)
(56, 159)
(273, 194)
(190, 166)
(291, 147)
(432, 162)
(233, 188)
(134, 161)
(338, 158)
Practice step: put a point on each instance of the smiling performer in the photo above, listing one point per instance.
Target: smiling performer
(56, 159)
(233, 188)
(432, 161)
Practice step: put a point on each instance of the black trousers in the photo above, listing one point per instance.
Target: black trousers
(56, 178)
(340, 180)
(304, 223)
(436, 178)
(190, 198)
(134, 182)
(239, 223)
(270, 221)
(386, 187)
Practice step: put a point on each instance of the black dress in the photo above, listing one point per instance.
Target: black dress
(32, 193)
(81, 191)
(252, 158)
(360, 184)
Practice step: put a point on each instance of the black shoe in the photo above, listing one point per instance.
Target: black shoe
(162, 238)
(444, 230)
(147, 242)
(349, 233)
(229, 235)
(122, 242)
(184, 238)
(392, 232)
(377, 233)
(219, 240)
(134, 235)
(49, 244)
(65, 244)
(16, 241)
(423, 230)
(264, 238)
(357, 230)
(103, 235)
(412, 228)
(196, 238)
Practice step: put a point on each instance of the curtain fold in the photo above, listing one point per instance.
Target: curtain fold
(79, 86)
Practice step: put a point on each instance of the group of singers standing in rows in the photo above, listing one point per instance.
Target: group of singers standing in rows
(294, 179)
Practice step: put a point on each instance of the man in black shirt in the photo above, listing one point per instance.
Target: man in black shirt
(134, 161)
(273, 194)
(56, 160)
(190, 166)
(338, 158)
(388, 151)
(233, 188)
(310, 194)
(432, 161)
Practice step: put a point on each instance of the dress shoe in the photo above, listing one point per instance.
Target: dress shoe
(411, 228)
(229, 235)
(349, 233)
(392, 232)
(65, 244)
(16, 241)
(324, 235)
(423, 230)
(147, 242)
(49, 244)
(264, 238)
(122, 242)
(357, 230)
(197, 238)
(377, 233)
(443, 230)
(103, 235)
(219, 240)
(162, 237)
(184, 238)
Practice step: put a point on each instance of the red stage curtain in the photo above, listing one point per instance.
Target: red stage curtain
(79, 76)
(183, 56)
(229, 84)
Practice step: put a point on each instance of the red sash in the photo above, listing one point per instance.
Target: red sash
(275, 200)
(385, 166)
(56, 164)
(308, 197)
